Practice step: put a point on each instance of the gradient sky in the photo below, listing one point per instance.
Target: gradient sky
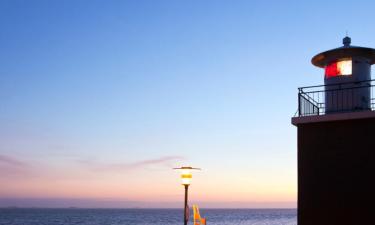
(100, 99)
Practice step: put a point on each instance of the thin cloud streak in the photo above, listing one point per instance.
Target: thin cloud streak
(10, 161)
(10, 166)
(163, 161)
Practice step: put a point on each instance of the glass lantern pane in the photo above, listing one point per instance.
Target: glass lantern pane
(339, 68)
(345, 67)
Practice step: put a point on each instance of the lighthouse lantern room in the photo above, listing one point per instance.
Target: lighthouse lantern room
(347, 77)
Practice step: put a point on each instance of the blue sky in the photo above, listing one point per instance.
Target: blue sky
(158, 84)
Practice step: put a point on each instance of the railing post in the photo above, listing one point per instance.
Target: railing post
(299, 102)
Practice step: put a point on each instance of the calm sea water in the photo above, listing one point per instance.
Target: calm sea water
(144, 216)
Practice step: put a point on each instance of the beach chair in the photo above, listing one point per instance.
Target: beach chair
(198, 220)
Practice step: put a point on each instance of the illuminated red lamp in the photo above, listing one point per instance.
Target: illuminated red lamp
(339, 68)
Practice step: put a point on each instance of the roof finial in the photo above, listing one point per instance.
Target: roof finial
(346, 41)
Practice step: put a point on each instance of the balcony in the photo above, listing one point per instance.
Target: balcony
(336, 98)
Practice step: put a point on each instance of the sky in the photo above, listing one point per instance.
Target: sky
(99, 100)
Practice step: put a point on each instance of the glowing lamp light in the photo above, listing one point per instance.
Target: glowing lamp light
(339, 68)
(186, 174)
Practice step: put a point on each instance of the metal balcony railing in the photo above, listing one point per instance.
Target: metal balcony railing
(336, 98)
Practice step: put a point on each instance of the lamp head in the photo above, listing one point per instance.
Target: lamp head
(186, 174)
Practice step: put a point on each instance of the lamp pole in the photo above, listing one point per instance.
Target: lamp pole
(186, 177)
(186, 204)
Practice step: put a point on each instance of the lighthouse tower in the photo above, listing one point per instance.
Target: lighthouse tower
(336, 153)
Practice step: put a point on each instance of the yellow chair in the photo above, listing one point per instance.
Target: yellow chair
(198, 220)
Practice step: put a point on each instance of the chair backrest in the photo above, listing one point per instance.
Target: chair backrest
(198, 220)
(197, 216)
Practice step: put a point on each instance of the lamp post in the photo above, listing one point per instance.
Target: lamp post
(186, 177)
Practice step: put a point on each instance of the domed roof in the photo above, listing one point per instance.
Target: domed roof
(346, 51)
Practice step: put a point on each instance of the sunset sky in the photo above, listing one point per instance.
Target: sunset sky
(99, 100)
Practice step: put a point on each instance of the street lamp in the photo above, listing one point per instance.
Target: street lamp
(186, 176)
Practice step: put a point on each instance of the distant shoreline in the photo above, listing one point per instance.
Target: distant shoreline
(99, 208)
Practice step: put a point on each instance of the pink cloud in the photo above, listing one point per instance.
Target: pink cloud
(162, 161)
(10, 166)
(11, 161)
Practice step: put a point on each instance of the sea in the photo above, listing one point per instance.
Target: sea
(78, 216)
